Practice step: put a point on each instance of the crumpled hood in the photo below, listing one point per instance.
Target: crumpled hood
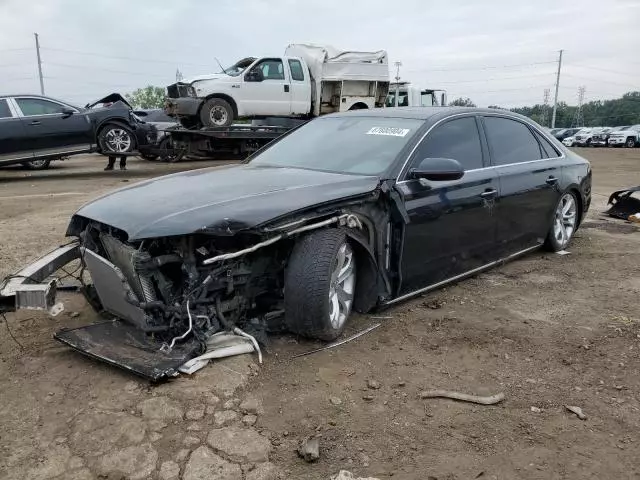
(210, 76)
(219, 200)
(113, 98)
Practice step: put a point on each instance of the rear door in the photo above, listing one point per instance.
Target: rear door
(52, 132)
(452, 227)
(300, 87)
(529, 169)
(13, 146)
(271, 96)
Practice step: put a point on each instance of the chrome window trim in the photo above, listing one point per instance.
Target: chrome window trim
(22, 115)
(404, 172)
(12, 107)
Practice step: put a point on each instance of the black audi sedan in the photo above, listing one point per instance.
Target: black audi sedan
(34, 130)
(357, 210)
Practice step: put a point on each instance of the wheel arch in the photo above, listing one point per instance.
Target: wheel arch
(575, 189)
(359, 106)
(368, 276)
(222, 96)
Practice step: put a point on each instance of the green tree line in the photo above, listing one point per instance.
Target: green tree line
(597, 113)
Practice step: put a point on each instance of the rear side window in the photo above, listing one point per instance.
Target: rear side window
(511, 141)
(297, 73)
(457, 139)
(548, 149)
(4, 109)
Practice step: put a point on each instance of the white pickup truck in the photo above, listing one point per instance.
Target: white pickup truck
(405, 94)
(306, 82)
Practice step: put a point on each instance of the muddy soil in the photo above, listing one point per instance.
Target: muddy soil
(546, 330)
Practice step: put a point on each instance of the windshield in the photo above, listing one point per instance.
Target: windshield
(238, 67)
(357, 145)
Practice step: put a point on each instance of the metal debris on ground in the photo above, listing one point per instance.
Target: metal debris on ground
(339, 342)
(623, 205)
(562, 252)
(577, 410)
(463, 397)
(309, 449)
(346, 475)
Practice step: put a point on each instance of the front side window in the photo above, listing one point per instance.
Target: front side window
(297, 73)
(4, 109)
(271, 69)
(38, 106)
(356, 145)
(511, 141)
(456, 139)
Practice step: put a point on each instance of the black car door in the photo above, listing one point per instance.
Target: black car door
(529, 169)
(52, 131)
(13, 146)
(452, 227)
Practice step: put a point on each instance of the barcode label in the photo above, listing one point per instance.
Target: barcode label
(391, 131)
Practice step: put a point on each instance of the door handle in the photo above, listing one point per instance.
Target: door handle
(286, 88)
(35, 122)
(551, 180)
(489, 193)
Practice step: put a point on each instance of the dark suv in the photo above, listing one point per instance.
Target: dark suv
(34, 130)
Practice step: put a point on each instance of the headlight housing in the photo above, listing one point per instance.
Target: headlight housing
(191, 91)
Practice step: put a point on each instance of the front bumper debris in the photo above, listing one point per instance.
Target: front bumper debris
(28, 288)
(184, 106)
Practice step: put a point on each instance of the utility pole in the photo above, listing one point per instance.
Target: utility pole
(39, 65)
(555, 100)
(178, 75)
(398, 65)
(545, 106)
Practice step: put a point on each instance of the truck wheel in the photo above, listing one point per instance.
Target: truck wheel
(216, 113)
(36, 164)
(630, 143)
(319, 287)
(115, 138)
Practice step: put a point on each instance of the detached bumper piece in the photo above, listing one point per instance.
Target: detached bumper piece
(623, 205)
(125, 346)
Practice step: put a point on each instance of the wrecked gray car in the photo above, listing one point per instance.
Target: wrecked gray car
(351, 211)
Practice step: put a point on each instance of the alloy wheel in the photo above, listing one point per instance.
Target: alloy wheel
(118, 140)
(341, 290)
(565, 219)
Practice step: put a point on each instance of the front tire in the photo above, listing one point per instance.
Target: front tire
(36, 164)
(320, 282)
(116, 139)
(565, 223)
(216, 112)
(630, 143)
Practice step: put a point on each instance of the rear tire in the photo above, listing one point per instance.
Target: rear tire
(564, 223)
(320, 282)
(216, 112)
(36, 164)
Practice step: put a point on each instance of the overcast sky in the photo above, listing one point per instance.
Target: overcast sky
(500, 52)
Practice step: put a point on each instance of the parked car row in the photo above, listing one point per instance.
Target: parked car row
(626, 136)
(34, 130)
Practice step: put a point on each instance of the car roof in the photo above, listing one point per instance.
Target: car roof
(424, 113)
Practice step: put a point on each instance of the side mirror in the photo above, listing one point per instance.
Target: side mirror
(254, 75)
(438, 170)
(67, 112)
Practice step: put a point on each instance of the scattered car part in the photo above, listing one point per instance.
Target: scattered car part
(623, 204)
(339, 342)
(577, 411)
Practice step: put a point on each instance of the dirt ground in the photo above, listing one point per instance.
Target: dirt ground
(547, 330)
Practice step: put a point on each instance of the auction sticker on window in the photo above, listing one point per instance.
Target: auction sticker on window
(391, 131)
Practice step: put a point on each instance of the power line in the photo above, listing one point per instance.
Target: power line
(134, 59)
(487, 67)
(497, 79)
(14, 49)
(603, 81)
(86, 67)
(603, 70)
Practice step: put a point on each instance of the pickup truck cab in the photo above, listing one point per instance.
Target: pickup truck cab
(307, 81)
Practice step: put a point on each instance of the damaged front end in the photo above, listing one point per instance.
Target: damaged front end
(165, 299)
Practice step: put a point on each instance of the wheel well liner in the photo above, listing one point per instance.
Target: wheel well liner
(359, 106)
(368, 277)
